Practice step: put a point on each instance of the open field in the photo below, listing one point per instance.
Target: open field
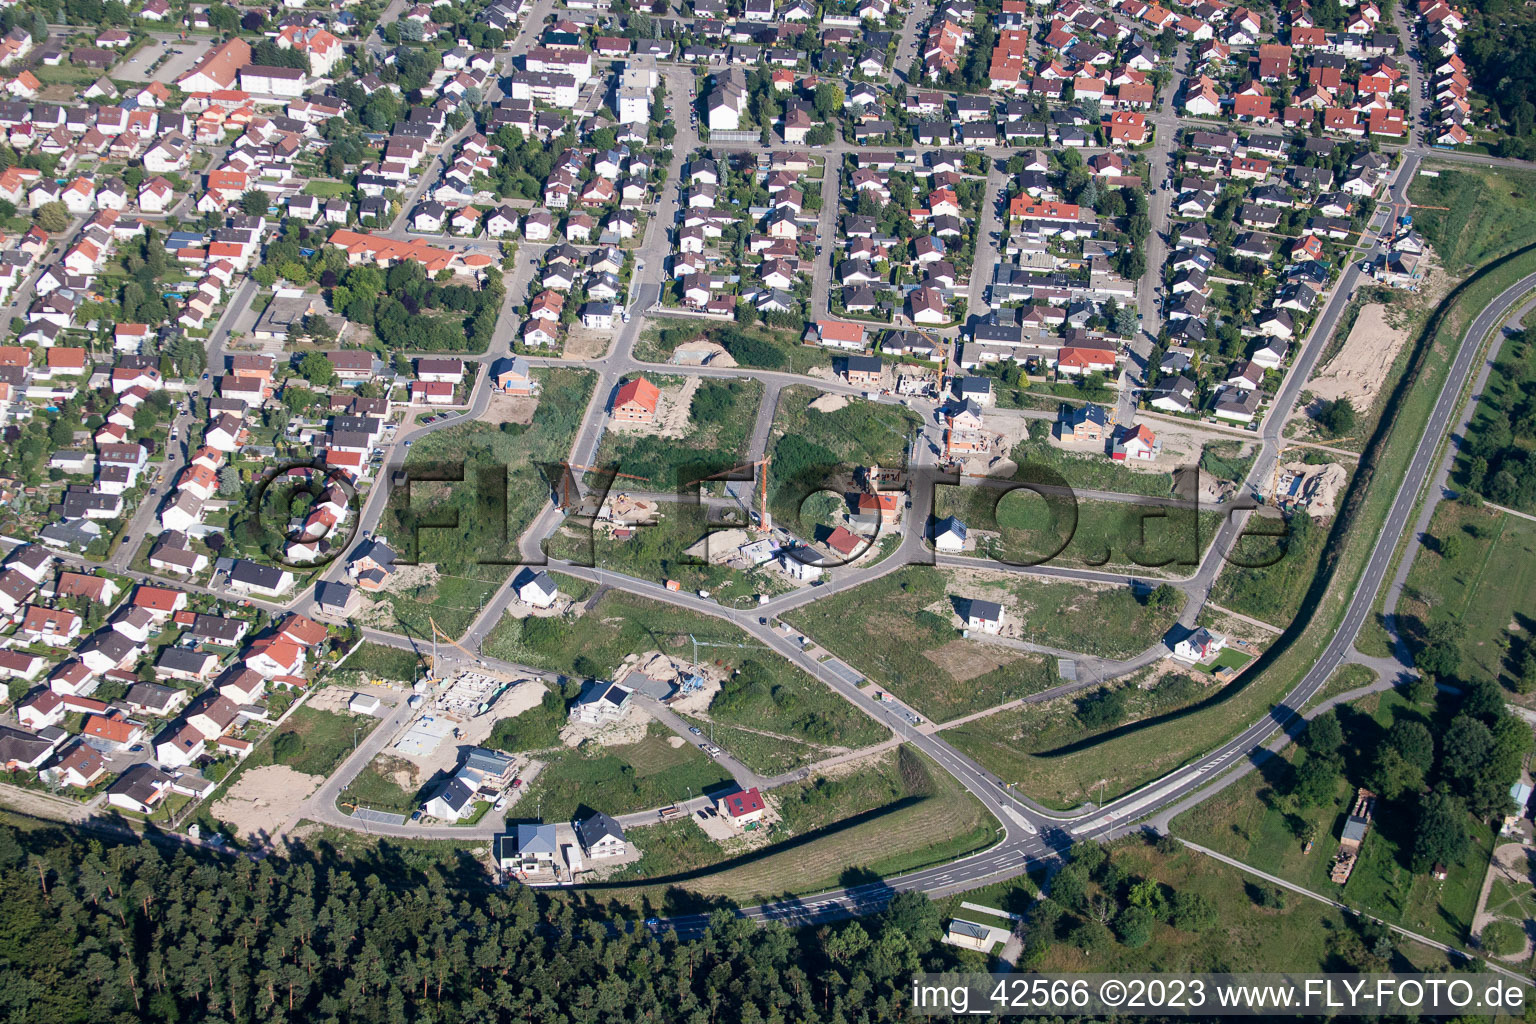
(1272, 592)
(1302, 935)
(759, 346)
(1479, 570)
(469, 529)
(774, 695)
(713, 437)
(766, 755)
(659, 552)
(1027, 528)
(620, 779)
(379, 662)
(376, 786)
(1253, 822)
(1490, 212)
(327, 739)
(884, 630)
(809, 444)
(901, 814)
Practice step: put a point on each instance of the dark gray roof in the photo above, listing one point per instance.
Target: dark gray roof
(591, 830)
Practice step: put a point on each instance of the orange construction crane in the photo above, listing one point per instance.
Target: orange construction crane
(566, 493)
(763, 522)
(437, 634)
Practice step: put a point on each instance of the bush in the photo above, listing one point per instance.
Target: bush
(287, 747)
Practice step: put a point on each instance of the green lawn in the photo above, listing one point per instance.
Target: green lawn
(1253, 821)
(897, 814)
(620, 779)
(772, 694)
(1484, 578)
(1091, 472)
(1272, 592)
(1490, 212)
(759, 346)
(659, 552)
(328, 739)
(766, 755)
(1303, 935)
(810, 446)
(1500, 445)
(720, 418)
(883, 630)
(374, 788)
(327, 189)
(1028, 528)
(470, 528)
(379, 662)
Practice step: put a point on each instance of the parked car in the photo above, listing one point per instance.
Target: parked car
(695, 730)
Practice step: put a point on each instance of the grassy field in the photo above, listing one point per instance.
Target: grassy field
(1344, 679)
(379, 662)
(328, 739)
(1095, 472)
(1490, 212)
(900, 814)
(1304, 935)
(781, 698)
(659, 552)
(1028, 528)
(809, 445)
(470, 529)
(719, 422)
(766, 755)
(884, 630)
(759, 346)
(620, 779)
(1252, 822)
(373, 787)
(1485, 579)
(1273, 592)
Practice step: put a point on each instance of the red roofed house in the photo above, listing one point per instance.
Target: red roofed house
(840, 334)
(743, 806)
(1127, 127)
(1076, 360)
(635, 401)
(843, 542)
(159, 601)
(1136, 443)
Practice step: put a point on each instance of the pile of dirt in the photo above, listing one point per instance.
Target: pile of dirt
(829, 403)
(702, 352)
(262, 799)
(1359, 369)
(628, 730)
(1319, 487)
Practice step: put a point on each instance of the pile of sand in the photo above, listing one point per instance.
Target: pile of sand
(1360, 367)
(702, 352)
(829, 403)
(262, 799)
(628, 730)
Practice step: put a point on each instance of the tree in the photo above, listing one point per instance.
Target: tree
(1315, 780)
(1192, 912)
(1324, 735)
(1338, 417)
(1166, 597)
(1440, 831)
(254, 202)
(52, 217)
(287, 747)
(1441, 656)
(1133, 925)
(317, 369)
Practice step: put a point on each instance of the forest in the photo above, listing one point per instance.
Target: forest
(100, 932)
